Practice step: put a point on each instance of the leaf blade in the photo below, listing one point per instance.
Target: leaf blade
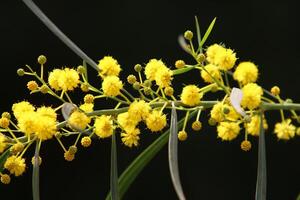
(114, 170)
(208, 31)
(261, 182)
(36, 173)
(198, 34)
(173, 154)
(182, 70)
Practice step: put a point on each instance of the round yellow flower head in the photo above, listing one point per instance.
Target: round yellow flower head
(179, 64)
(87, 107)
(109, 66)
(104, 126)
(191, 95)
(275, 90)
(251, 96)
(228, 130)
(69, 79)
(139, 110)
(218, 115)
(225, 59)
(131, 138)
(152, 67)
(126, 122)
(78, 120)
(15, 165)
(89, 98)
(5, 178)
(254, 125)
(111, 86)
(212, 52)
(86, 141)
(246, 145)
(246, 72)
(163, 77)
(4, 122)
(213, 71)
(32, 85)
(54, 78)
(196, 125)
(28, 122)
(285, 130)
(2, 143)
(45, 127)
(69, 156)
(156, 121)
(22, 107)
(47, 112)
(17, 148)
(182, 135)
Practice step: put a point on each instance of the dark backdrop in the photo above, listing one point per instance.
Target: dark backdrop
(134, 32)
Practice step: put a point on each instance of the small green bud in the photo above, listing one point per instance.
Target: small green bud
(147, 83)
(73, 149)
(136, 85)
(147, 91)
(42, 59)
(44, 89)
(201, 58)
(196, 125)
(20, 72)
(214, 88)
(226, 110)
(212, 122)
(247, 118)
(188, 35)
(179, 64)
(288, 101)
(138, 68)
(81, 69)
(58, 135)
(169, 91)
(84, 87)
(131, 79)
(6, 115)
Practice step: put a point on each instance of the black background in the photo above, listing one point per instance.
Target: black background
(266, 33)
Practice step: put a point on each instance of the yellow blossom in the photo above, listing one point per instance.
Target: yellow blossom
(28, 122)
(87, 107)
(228, 130)
(156, 121)
(54, 77)
(285, 130)
(163, 77)
(218, 115)
(32, 85)
(152, 67)
(111, 86)
(2, 143)
(212, 52)
(246, 145)
(126, 122)
(86, 141)
(251, 96)
(65, 80)
(78, 120)
(131, 138)
(225, 59)
(104, 126)
(109, 66)
(69, 156)
(182, 135)
(22, 107)
(45, 127)
(47, 112)
(191, 95)
(211, 71)
(253, 127)
(246, 72)
(15, 165)
(4, 122)
(139, 110)
(5, 178)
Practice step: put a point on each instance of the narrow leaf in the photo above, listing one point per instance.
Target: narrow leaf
(208, 31)
(55, 30)
(3, 158)
(135, 168)
(182, 70)
(36, 174)
(114, 170)
(173, 154)
(198, 34)
(261, 182)
(85, 71)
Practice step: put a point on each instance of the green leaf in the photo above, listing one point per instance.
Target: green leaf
(182, 70)
(207, 33)
(298, 198)
(134, 169)
(55, 30)
(173, 154)
(198, 34)
(3, 158)
(36, 173)
(114, 170)
(261, 182)
(85, 71)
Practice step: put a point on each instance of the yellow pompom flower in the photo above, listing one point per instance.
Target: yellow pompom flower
(45, 127)
(253, 127)
(285, 130)
(54, 78)
(111, 86)
(251, 96)
(152, 67)
(5, 178)
(109, 66)
(22, 107)
(2, 143)
(28, 122)
(213, 71)
(246, 72)
(191, 95)
(103, 126)
(87, 107)
(47, 112)
(225, 59)
(126, 122)
(86, 141)
(218, 115)
(246, 145)
(228, 130)
(182, 135)
(78, 120)
(163, 77)
(15, 165)
(69, 79)
(131, 138)
(139, 110)
(212, 52)
(156, 121)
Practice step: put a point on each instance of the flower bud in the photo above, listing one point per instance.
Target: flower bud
(131, 79)
(69, 156)
(182, 135)
(275, 90)
(201, 58)
(147, 83)
(17, 148)
(72, 149)
(86, 141)
(84, 87)
(212, 122)
(32, 85)
(136, 86)
(247, 119)
(147, 91)
(179, 64)
(4, 122)
(89, 98)
(6, 115)
(226, 110)
(246, 145)
(42, 59)
(196, 125)
(188, 35)
(138, 68)
(81, 69)
(169, 91)
(44, 89)
(5, 178)
(20, 72)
